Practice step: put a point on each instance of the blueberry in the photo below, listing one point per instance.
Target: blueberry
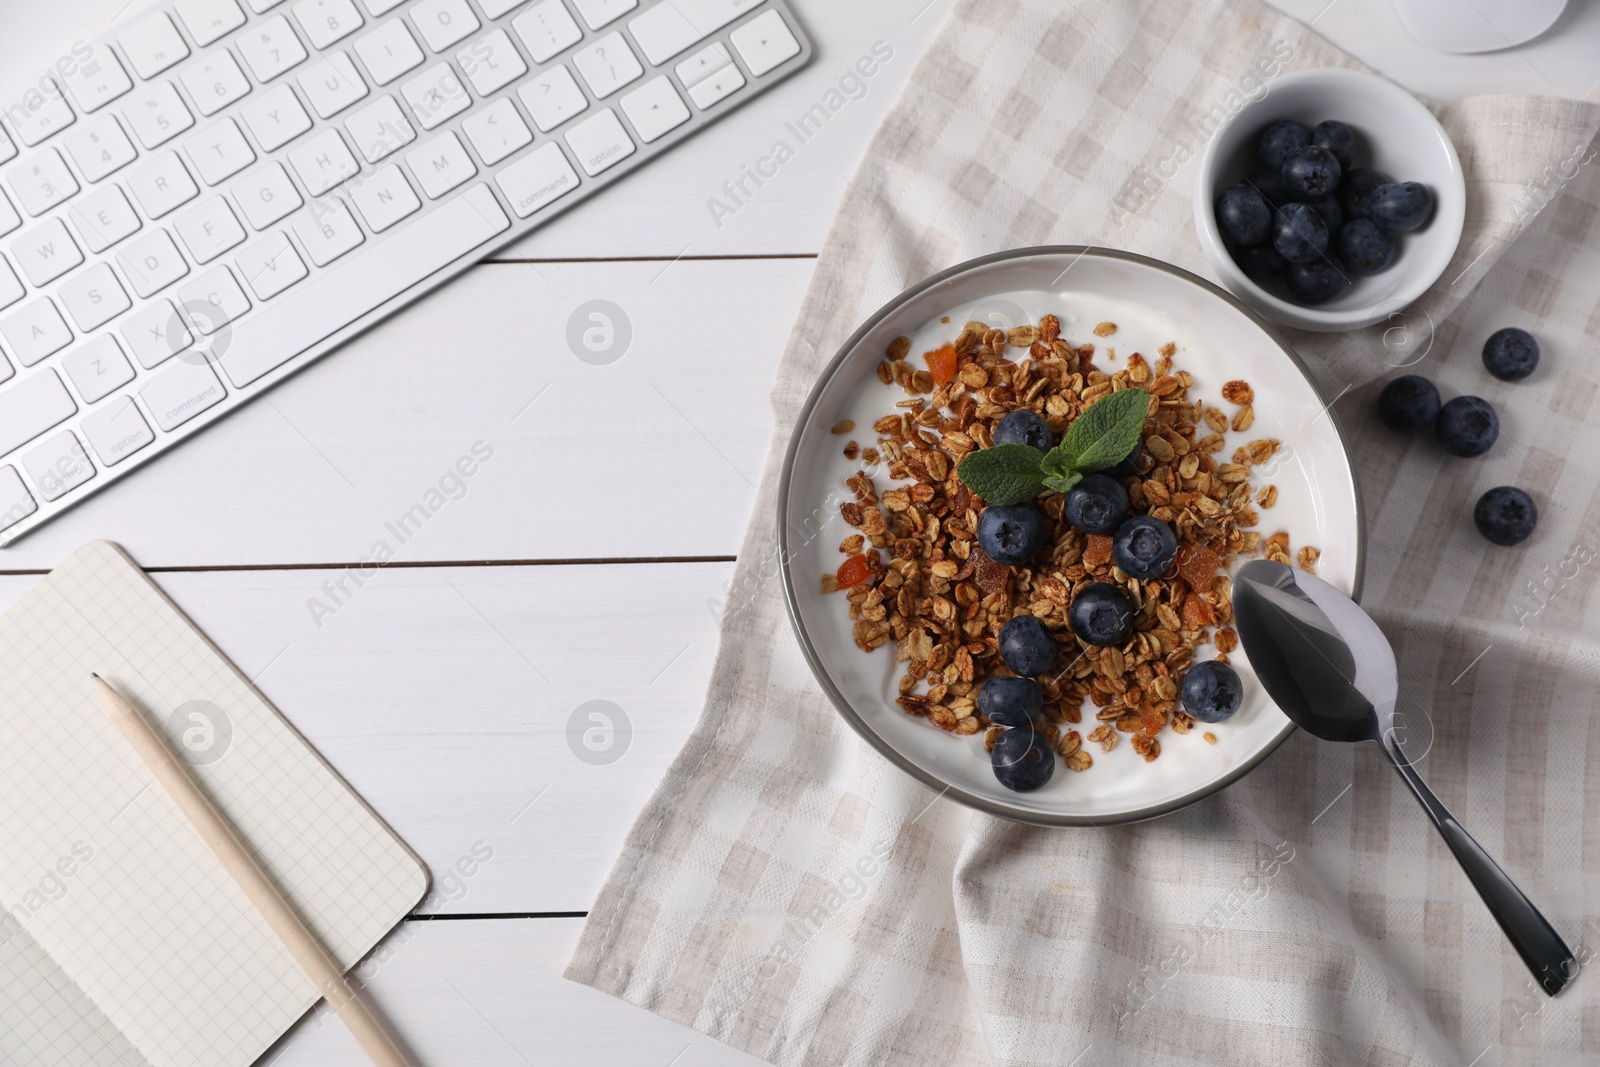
(1510, 354)
(1408, 404)
(1269, 183)
(1311, 173)
(1299, 234)
(1505, 515)
(1024, 428)
(1365, 247)
(1027, 648)
(1356, 190)
(1101, 614)
(1400, 206)
(1212, 691)
(1260, 262)
(1130, 463)
(1337, 138)
(1242, 215)
(1011, 533)
(1279, 141)
(1144, 547)
(1467, 426)
(1332, 214)
(1316, 282)
(1022, 759)
(1098, 504)
(1010, 701)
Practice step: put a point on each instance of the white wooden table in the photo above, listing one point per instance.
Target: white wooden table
(586, 559)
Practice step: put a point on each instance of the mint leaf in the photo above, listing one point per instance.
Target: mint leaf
(1058, 470)
(1003, 474)
(1106, 431)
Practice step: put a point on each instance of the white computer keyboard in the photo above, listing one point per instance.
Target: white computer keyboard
(225, 192)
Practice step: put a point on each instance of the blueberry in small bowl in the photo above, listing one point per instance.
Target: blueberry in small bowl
(1022, 759)
(1299, 233)
(1316, 282)
(1311, 174)
(1505, 515)
(1269, 183)
(1337, 138)
(1365, 247)
(1261, 262)
(1510, 354)
(1400, 206)
(1024, 428)
(1356, 194)
(1010, 701)
(1409, 404)
(1010, 533)
(1027, 647)
(1144, 547)
(1101, 614)
(1212, 691)
(1467, 426)
(1279, 141)
(1096, 505)
(1243, 215)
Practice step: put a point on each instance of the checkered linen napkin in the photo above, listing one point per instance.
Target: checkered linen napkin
(790, 893)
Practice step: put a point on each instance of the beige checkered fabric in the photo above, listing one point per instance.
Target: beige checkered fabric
(788, 892)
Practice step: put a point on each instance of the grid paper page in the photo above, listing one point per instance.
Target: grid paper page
(120, 906)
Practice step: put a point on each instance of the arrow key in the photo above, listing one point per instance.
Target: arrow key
(655, 108)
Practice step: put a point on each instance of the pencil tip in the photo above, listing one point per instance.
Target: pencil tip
(95, 676)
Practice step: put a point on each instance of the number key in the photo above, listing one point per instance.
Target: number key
(157, 114)
(99, 147)
(326, 21)
(271, 48)
(42, 181)
(215, 82)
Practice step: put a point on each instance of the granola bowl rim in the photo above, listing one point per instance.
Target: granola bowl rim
(786, 552)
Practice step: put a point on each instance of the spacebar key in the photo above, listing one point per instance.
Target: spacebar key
(336, 298)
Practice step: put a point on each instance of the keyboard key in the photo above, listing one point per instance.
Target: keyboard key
(385, 199)
(327, 230)
(496, 131)
(7, 149)
(212, 300)
(389, 52)
(97, 80)
(33, 332)
(58, 466)
(380, 7)
(379, 128)
(16, 503)
(369, 278)
(435, 95)
(270, 266)
(599, 13)
(323, 162)
(103, 218)
(97, 368)
(161, 183)
(219, 151)
(327, 21)
(552, 98)
(43, 112)
(541, 177)
(491, 62)
(276, 118)
(9, 219)
(117, 431)
(607, 65)
(31, 406)
(152, 263)
(600, 143)
(655, 108)
(152, 45)
(11, 291)
(94, 297)
(157, 114)
(156, 333)
(667, 29)
(209, 20)
(718, 87)
(208, 229)
(271, 48)
(42, 181)
(710, 59)
(46, 252)
(332, 84)
(765, 43)
(215, 82)
(547, 29)
(440, 165)
(266, 195)
(99, 147)
(495, 8)
(180, 392)
(443, 22)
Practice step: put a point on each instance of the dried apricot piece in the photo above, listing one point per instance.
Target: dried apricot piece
(942, 364)
(854, 571)
(1198, 565)
(1196, 612)
(1098, 551)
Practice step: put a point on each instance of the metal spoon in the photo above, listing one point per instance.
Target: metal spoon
(1328, 666)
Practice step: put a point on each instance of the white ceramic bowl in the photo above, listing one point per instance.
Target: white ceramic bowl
(1395, 134)
(1218, 339)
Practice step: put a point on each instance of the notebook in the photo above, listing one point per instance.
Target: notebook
(122, 940)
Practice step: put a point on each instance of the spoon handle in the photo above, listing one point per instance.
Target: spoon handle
(1530, 933)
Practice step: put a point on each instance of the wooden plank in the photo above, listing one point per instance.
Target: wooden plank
(444, 696)
(490, 994)
(653, 454)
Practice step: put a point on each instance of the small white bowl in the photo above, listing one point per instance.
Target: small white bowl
(1394, 133)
